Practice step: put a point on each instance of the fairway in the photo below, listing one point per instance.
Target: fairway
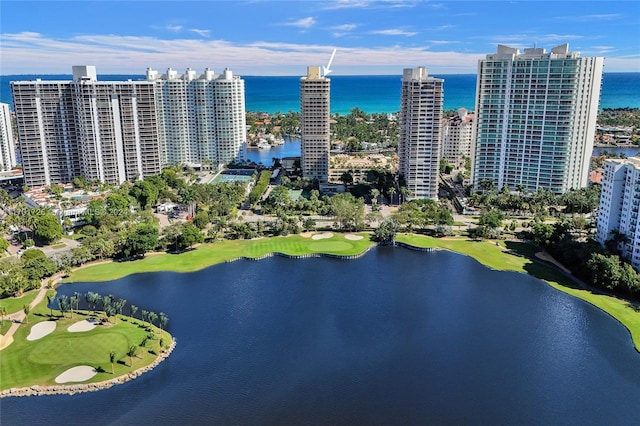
(330, 246)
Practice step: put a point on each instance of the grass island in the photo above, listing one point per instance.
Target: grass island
(50, 349)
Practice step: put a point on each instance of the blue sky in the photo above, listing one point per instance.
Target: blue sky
(283, 37)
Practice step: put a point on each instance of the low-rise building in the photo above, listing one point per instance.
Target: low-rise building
(358, 166)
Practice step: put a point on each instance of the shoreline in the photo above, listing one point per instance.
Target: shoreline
(38, 390)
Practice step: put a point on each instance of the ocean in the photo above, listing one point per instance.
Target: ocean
(370, 93)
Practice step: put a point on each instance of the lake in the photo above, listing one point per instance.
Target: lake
(395, 337)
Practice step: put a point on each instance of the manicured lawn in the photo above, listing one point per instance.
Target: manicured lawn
(4, 326)
(15, 304)
(27, 363)
(222, 251)
(487, 253)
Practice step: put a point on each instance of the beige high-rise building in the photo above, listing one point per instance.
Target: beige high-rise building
(535, 118)
(314, 125)
(420, 135)
(457, 137)
(7, 145)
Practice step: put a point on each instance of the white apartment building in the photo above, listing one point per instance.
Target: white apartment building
(536, 116)
(420, 132)
(457, 137)
(116, 131)
(202, 118)
(314, 125)
(619, 205)
(7, 146)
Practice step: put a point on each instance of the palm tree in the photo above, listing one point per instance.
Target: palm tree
(92, 299)
(3, 312)
(152, 317)
(49, 305)
(164, 319)
(26, 309)
(406, 193)
(392, 192)
(144, 315)
(112, 358)
(133, 309)
(131, 353)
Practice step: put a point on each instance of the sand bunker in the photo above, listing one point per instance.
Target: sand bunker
(77, 374)
(322, 236)
(83, 325)
(353, 237)
(41, 329)
(306, 234)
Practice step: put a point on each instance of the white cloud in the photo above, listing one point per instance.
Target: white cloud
(443, 27)
(203, 33)
(345, 27)
(173, 28)
(371, 4)
(590, 18)
(443, 41)
(394, 32)
(32, 53)
(301, 23)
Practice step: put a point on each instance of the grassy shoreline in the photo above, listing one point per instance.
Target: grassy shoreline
(506, 256)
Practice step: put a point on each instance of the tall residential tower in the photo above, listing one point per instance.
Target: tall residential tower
(619, 204)
(420, 137)
(314, 125)
(7, 147)
(116, 131)
(536, 116)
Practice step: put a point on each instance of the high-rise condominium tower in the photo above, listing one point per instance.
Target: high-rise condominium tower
(457, 137)
(420, 137)
(7, 147)
(536, 117)
(104, 131)
(618, 209)
(114, 131)
(202, 118)
(314, 124)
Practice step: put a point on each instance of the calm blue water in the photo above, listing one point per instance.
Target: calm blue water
(369, 93)
(396, 337)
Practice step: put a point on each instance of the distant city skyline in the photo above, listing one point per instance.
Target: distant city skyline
(283, 37)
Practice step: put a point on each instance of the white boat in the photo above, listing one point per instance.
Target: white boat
(263, 144)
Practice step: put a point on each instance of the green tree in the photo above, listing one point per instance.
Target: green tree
(36, 265)
(386, 232)
(348, 211)
(133, 350)
(26, 309)
(48, 228)
(143, 239)
(201, 219)
(491, 219)
(190, 235)
(118, 205)
(4, 245)
(112, 359)
(145, 192)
